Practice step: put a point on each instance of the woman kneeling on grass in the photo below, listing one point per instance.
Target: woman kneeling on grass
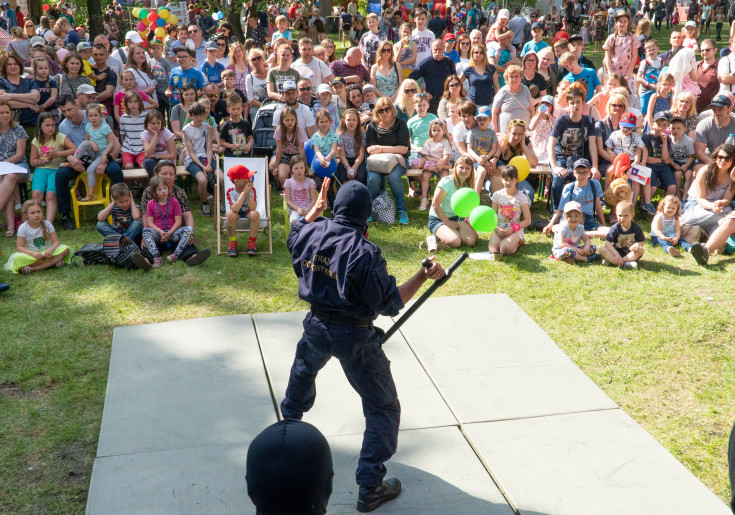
(452, 230)
(38, 245)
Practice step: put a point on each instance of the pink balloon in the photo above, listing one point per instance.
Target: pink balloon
(141, 26)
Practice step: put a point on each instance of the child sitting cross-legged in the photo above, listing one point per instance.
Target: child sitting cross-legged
(587, 192)
(300, 190)
(624, 243)
(124, 212)
(164, 225)
(38, 246)
(567, 236)
(242, 203)
(665, 227)
(509, 203)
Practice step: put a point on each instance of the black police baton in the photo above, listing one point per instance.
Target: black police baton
(426, 263)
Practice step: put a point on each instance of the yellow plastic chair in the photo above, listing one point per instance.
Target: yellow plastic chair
(101, 195)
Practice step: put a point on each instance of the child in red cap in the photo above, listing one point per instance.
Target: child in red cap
(242, 202)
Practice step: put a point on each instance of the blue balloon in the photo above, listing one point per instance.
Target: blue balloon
(318, 169)
(309, 151)
(161, 22)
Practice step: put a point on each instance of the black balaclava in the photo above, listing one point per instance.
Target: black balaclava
(289, 469)
(353, 205)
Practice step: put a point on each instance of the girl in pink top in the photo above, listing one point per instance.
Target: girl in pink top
(163, 223)
(621, 48)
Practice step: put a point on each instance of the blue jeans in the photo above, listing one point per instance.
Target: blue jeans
(133, 231)
(666, 245)
(149, 163)
(376, 184)
(558, 183)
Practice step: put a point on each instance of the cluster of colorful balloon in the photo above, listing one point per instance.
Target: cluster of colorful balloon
(154, 21)
(466, 203)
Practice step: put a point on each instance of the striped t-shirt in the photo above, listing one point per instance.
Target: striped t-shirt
(131, 127)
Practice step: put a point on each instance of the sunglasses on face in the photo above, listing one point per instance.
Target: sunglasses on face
(304, 89)
(383, 110)
(212, 95)
(454, 85)
(193, 31)
(410, 91)
(617, 106)
(465, 43)
(256, 59)
(221, 44)
(386, 51)
(720, 157)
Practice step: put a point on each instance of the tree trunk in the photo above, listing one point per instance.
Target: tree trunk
(325, 8)
(35, 11)
(234, 19)
(94, 9)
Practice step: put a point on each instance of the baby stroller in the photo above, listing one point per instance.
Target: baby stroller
(264, 144)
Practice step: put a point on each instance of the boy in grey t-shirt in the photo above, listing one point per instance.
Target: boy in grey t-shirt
(681, 149)
(482, 147)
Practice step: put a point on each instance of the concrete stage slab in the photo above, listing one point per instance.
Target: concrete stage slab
(421, 404)
(493, 362)
(185, 399)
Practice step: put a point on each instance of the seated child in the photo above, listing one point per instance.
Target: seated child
(99, 145)
(626, 141)
(587, 192)
(482, 145)
(300, 190)
(324, 95)
(242, 203)
(568, 234)
(124, 212)
(164, 225)
(325, 144)
(132, 125)
(624, 243)
(665, 227)
(657, 159)
(198, 141)
(37, 245)
(509, 203)
(451, 230)
(433, 158)
(681, 150)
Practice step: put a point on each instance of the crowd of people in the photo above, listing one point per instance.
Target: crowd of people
(457, 92)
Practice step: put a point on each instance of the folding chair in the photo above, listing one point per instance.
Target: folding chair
(101, 195)
(262, 197)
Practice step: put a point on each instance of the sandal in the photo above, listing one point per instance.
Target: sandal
(60, 264)
(10, 232)
(87, 199)
(26, 270)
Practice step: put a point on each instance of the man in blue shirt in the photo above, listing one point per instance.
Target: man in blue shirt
(206, 22)
(71, 34)
(10, 14)
(73, 127)
(435, 70)
(183, 74)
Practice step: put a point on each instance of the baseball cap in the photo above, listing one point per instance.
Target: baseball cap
(133, 36)
(86, 89)
(338, 80)
(561, 35)
(37, 41)
(449, 37)
(677, 119)
(582, 163)
(369, 87)
(691, 23)
(573, 205)
(503, 13)
(324, 88)
(628, 120)
(83, 45)
(537, 25)
(661, 115)
(720, 101)
(156, 42)
(575, 37)
(240, 172)
(483, 112)
(289, 85)
(211, 45)
(548, 99)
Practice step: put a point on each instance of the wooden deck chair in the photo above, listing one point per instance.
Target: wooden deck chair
(262, 197)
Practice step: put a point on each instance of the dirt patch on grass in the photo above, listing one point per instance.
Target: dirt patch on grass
(11, 390)
(74, 467)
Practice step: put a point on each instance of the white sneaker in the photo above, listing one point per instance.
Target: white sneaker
(630, 265)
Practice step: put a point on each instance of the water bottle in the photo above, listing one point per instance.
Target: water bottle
(730, 140)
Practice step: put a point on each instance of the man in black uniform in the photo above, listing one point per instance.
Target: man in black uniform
(344, 278)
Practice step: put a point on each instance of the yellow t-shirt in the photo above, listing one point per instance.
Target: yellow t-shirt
(87, 70)
(55, 143)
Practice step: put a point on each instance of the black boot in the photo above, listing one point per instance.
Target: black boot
(369, 500)
(66, 222)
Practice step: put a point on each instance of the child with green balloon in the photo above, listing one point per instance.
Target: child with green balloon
(453, 202)
(509, 203)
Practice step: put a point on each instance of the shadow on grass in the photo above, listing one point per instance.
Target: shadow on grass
(658, 266)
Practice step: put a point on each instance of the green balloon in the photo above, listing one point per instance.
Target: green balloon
(143, 13)
(464, 201)
(483, 219)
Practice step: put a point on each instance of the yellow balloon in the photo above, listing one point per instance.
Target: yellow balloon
(160, 32)
(522, 165)
(173, 19)
(143, 33)
(164, 13)
(145, 21)
(135, 12)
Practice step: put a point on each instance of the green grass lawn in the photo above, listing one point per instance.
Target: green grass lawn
(658, 340)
